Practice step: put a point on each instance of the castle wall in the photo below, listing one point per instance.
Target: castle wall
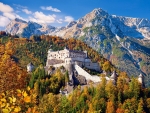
(87, 75)
(71, 57)
(76, 60)
(59, 65)
(94, 66)
(65, 53)
(77, 54)
(79, 63)
(80, 59)
(58, 55)
(70, 70)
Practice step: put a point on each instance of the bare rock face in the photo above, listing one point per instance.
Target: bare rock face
(16, 26)
(75, 28)
(26, 29)
(78, 79)
(122, 26)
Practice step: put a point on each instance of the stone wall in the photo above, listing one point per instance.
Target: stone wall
(94, 66)
(86, 75)
(61, 55)
(59, 65)
(58, 55)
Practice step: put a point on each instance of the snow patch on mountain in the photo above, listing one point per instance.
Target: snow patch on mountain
(117, 37)
(26, 29)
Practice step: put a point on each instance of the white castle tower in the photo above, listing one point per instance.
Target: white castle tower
(30, 67)
(113, 77)
(141, 79)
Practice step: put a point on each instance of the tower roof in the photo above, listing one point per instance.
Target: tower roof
(50, 49)
(114, 75)
(66, 47)
(30, 64)
(140, 75)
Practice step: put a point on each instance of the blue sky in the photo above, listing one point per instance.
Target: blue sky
(60, 12)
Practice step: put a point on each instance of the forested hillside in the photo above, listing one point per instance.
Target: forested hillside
(38, 92)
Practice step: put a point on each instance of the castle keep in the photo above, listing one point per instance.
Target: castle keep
(66, 57)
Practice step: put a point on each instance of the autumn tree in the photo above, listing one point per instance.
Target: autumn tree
(106, 66)
(140, 106)
(11, 75)
(110, 107)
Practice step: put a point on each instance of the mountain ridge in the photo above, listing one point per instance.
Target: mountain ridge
(139, 25)
(26, 29)
(123, 40)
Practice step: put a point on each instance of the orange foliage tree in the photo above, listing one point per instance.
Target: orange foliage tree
(11, 75)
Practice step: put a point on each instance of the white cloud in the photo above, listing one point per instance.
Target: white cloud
(3, 21)
(40, 17)
(60, 21)
(20, 6)
(8, 12)
(50, 8)
(27, 11)
(17, 11)
(10, 15)
(68, 19)
(17, 16)
(5, 8)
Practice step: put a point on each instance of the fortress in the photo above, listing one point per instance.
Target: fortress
(70, 57)
(74, 61)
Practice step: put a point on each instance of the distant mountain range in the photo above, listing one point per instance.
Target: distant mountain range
(122, 26)
(26, 29)
(124, 41)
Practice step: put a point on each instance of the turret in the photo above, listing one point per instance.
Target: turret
(86, 54)
(30, 67)
(65, 48)
(141, 80)
(50, 48)
(114, 77)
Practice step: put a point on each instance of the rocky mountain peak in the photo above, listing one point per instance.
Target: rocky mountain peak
(26, 29)
(99, 12)
(19, 20)
(96, 13)
(71, 23)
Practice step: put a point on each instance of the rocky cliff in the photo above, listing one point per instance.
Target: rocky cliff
(27, 29)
